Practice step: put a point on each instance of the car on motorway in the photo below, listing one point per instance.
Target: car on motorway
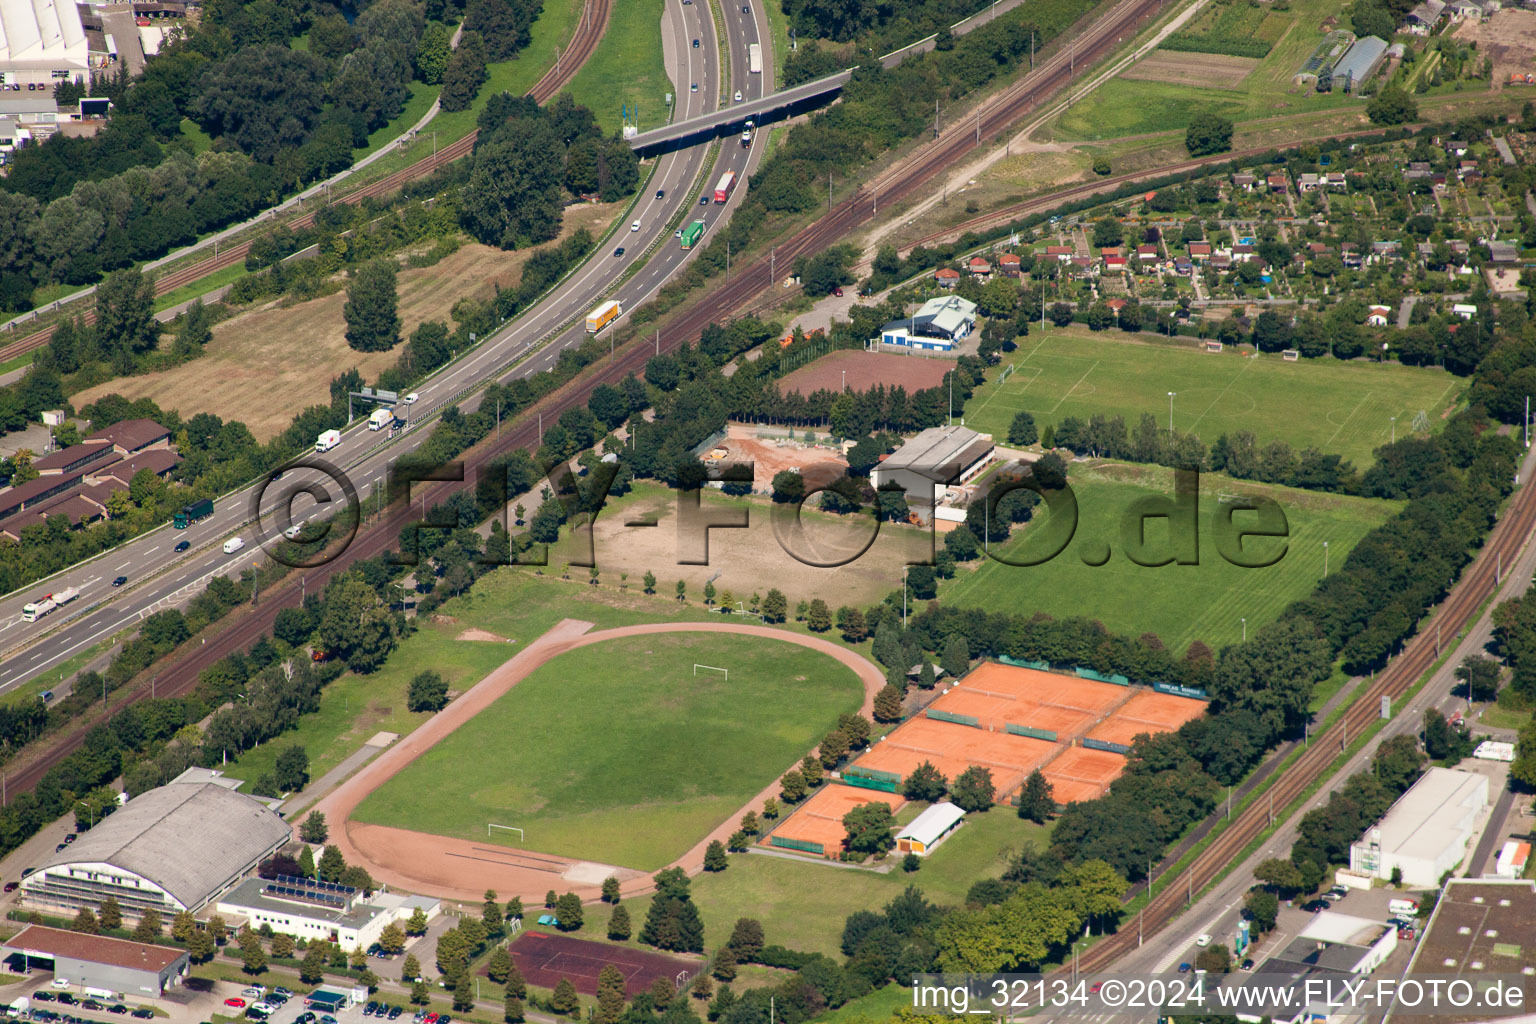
(745, 9)
(634, 226)
(1185, 967)
(1203, 940)
(695, 44)
(619, 251)
(738, 95)
(411, 399)
(694, 87)
(119, 581)
(236, 1002)
(704, 200)
(182, 546)
(661, 193)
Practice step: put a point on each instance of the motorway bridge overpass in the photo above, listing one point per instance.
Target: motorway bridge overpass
(729, 120)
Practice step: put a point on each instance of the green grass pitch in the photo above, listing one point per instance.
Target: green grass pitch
(1179, 603)
(618, 753)
(1339, 407)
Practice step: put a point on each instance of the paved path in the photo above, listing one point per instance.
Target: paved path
(462, 869)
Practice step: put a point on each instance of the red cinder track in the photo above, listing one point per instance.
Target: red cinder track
(585, 40)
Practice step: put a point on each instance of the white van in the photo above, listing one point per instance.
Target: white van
(1408, 908)
(232, 545)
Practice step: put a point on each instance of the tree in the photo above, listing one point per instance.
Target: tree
(411, 969)
(1208, 133)
(428, 692)
(111, 914)
(1022, 429)
(1215, 958)
(792, 787)
(148, 928)
(464, 73)
(512, 1010)
(957, 656)
(888, 704)
(610, 996)
(292, 768)
(182, 926)
(200, 947)
(870, 828)
(1037, 798)
(818, 618)
(125, 316)
(926, 783)
(464, 992)
(332, 864)
(417, 923)
(1481, 676)
(420, 993)
(568, 913)
(312, 967)
(702, 987)
(649, 579)
(775, 606)
(314, 830)
(611, 889)
(1437, 734)
(253, 958)
(618, 923)
(682, 591)
(714, 856)
(263, 98)
(973, 790)
(1280, 874)
(512, 199)
(282, 946)
(372, 310)
(1393, 105)
(565, 1001)
(433, 54)
(514, 910)
(86, 922)
(1263, 908)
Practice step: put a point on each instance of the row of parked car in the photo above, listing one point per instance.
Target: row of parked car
(95, 1005)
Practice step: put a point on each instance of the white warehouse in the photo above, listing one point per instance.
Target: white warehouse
(42, 43)
(1428, 830)
(307, 909)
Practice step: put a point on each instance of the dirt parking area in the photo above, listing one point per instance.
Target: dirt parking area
(863, 370)
(292, 352)
(1509, 37)
(1203, 70)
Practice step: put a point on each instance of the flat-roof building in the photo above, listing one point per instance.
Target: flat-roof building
(1427, 831)
(1480, 927)
(97, 962)
(42, 42)
(307, 909)
(938, 324)
(170, 849)
(933, 460)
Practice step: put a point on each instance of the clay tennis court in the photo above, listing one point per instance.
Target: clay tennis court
(953, 748)
(1160, 709)
(545, 959)
(1121, 730)
(997, 713)
(1009, 758)
(1082, 773)
(820, 819)
(1052, 688)
(899, 761)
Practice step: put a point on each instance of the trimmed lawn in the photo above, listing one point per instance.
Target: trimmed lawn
(1338, 407)
(1180, 603)
(803, 903)
(619, 753)
(626, 68)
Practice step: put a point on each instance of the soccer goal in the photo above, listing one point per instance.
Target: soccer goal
(1007, 372)
(711, 668)
(490, 828)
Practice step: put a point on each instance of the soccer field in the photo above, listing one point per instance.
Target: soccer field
(1180, 603)
(619, 753)
(1339, 407)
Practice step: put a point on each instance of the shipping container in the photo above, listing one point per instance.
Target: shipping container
(604, 315)
(726, 184)
(692, 233)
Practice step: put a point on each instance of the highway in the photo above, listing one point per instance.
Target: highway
(159, 577)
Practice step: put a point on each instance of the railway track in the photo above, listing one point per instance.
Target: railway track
(1455, 613)
(588, 34)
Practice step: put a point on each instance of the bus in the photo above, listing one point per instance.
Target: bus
(34, 610)
(726, 184)
(755, 58)
(692, 233)
(603, 315)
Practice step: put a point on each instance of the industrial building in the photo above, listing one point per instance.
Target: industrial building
(1480, 927)
(928, 829)
(1427, 831)
(1359, 63)
(100, 965)
(41, 44)
(936, 326)
(170, 849)
(936, 458)
(1332, 948)
(307, 909)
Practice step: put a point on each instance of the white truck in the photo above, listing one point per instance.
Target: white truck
(328, 440)
(18, 1009)
(380, 419)
(34, 610)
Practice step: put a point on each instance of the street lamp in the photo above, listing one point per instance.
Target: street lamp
(1170, 412)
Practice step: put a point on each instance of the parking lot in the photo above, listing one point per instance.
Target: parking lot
(294, 1011)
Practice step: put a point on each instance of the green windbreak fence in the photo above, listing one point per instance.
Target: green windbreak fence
(884, 785)
(1024, 730)
(1113, 748)
(796, 844)
(1043, 666)
(1192, 692)
(950, 716)
(869, 773)
(1088, 673)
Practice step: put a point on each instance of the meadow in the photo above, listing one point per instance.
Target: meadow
(1345, 408)
(619, 752)
(1207, 601)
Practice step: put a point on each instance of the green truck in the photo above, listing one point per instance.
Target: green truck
(692, 233)
(192, 513)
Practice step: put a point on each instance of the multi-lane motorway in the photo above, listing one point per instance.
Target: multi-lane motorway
(160, 577)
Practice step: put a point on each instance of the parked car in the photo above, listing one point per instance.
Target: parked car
(304, 1018)
(252, 1013)
(838, 291)
(254, 991)
(64, 997)
(143, 1013)
(117, 1008)
(71, 837)
(431, 1018)
(60, 848)
(236, 1002)
(284, 991)
(12, 886)
(42, 995)
(1313, 906)
(395, 1011)
(1331, 897)
(326, 1018)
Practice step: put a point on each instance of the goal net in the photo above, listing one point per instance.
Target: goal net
(711, 668)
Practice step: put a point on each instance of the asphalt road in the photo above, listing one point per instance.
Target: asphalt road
(159, 577)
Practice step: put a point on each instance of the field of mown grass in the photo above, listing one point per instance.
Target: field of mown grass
(619, 753)
(1180, 603)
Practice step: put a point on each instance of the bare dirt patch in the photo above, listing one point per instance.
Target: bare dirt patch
(482, 635)
(771, 451)
(1509, 37)
(863, 370)
(1202, 70)
(264, 365)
